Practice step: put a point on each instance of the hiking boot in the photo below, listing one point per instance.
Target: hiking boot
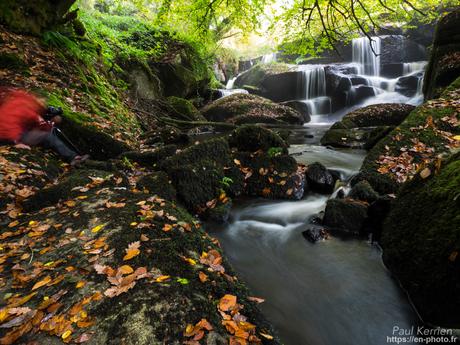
(79, 160)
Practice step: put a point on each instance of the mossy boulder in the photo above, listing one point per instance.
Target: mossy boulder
(420, 139)
(389, 114)
(346, 215)
(421, 240)
(252, 138)
(184, 109)
(158, 183)
(363, 191)
(273, 177)
(444, 65)
(89, 140)
(364, 127)
(167, 135)
(227, 109)
(275, 81)
(78, 247)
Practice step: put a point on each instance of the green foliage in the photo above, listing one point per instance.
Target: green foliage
(312, 26)
(275, 151)
(226, 182)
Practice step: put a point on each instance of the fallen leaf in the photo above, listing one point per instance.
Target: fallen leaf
(41, 283)
(227, 302)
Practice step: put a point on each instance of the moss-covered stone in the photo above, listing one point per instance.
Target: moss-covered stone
(444, 65)
(426, 127)
(87, 139)
(421, 239)
(364, 127)
(158, 183)
(363, 191)
(239, 104)
(251, 138)
(185, 109)
(346, 215)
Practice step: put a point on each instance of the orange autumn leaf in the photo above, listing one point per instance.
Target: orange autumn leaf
(80, 284)
(161, 279)
(203, 277)
(227, 302)
(167, 227)
(125, 269)
(132, 251)
(42, 282)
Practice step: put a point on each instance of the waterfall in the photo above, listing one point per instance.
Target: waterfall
(368, 59)
(411, 67)
(269, 58)
(312, 83)
(230, 83)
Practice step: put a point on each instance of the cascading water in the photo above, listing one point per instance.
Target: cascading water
(366, 53)
(268, 58)
(411, 67)
(230, 84)
(313, 85)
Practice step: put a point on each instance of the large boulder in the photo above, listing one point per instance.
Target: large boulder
(364, 127)
(251, 138)
(274, 81)
(409, 85)
(301, 107)
(229, 109)
(319, 179)
(346, 215)
(421, 138)
(444, 65)
(421, 240)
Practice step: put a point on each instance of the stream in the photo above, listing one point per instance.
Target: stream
(333, 292)
(337, 291)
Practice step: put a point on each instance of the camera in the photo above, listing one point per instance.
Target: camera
(52, 112)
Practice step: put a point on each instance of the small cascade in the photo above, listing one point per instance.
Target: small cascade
(230, 84)
(367, 55)
(411, 67)
(312, 83)
(268, 58)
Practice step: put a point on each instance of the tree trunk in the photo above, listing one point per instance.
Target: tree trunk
(33, 17)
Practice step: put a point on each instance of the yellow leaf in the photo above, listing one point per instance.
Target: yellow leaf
(42, 282)
(66, 334)
(80, 284)
(457, 137)
(126, 269)
(131, 253)
(97, 228)
(167, 227)
(161, 279)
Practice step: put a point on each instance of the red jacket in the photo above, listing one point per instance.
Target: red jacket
(20, 112)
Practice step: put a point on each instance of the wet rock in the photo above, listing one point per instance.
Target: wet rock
(363, 191)
(357, 138)
(319, 179)
(274, 81)
(361, 93)
(301, 107)
(376, 213)
(230, 107)
(346, 215)
(251, 138)
(364, 127)
(314, 234)
(184, 109)
(398, 49)
(408, 85)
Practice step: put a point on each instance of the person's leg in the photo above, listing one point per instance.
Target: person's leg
(53, 142)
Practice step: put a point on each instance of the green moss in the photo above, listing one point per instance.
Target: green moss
(252, 138)
(255, 75)
(185, 109)
(419, 253)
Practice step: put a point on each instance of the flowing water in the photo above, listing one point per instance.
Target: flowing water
(335, 292)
